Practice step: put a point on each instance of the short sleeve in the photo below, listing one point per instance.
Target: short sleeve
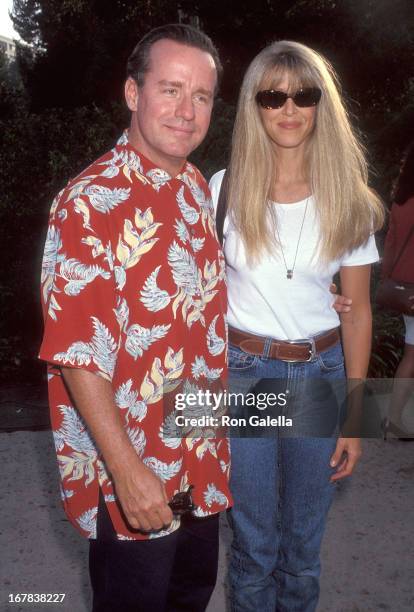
(78, 291)
(365, 254)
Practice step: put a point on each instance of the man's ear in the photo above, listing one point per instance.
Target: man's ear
(131, 94)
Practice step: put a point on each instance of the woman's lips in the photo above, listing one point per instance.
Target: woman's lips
(289, 125)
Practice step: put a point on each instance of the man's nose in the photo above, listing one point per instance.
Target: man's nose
(185, 108)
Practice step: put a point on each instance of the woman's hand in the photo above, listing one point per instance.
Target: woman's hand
(341, 303)
(347, 454)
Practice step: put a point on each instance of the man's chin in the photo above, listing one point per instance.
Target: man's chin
(182, 152)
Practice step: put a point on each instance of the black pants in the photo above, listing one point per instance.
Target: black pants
(174, 573)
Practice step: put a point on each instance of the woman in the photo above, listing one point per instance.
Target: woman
(298, 210)
(399, 243)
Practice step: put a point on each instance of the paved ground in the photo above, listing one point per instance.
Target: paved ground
(368, 560)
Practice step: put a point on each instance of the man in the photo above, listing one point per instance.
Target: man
(134, 299)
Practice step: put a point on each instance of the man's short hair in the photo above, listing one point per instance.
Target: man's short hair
(138, 61)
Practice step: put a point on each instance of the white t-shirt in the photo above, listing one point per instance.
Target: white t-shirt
(262, 300)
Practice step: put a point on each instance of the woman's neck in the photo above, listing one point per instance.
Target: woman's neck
(292, 183)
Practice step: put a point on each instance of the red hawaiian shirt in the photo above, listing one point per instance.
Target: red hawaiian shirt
(133, 289)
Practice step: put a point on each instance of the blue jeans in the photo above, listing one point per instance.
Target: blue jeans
(281, 486)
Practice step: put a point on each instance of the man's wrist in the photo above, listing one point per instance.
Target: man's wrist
(124, 463)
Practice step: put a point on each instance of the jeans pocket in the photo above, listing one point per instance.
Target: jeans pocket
(332, 359)
(239, 360)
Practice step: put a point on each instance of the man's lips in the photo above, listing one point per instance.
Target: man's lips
(289, 125)
(180, 130)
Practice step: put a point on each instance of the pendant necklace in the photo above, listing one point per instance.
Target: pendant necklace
(289, 271)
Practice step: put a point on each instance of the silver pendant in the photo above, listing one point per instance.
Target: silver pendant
(289, 274)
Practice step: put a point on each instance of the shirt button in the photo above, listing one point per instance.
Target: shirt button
(193, 231)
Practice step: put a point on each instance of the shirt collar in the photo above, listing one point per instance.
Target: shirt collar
(148, 172)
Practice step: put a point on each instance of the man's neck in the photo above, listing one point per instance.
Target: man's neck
(172, 166)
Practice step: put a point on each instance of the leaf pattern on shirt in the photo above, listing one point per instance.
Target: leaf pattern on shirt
(51, 257)
(103, 199)
(197, 244)
(164, 471)
(126, 160)
(122, 313)
(127, 399)
(207, 445)
(154, 298)
(82, 208)
(174, 363)
(215, 343)
(184, 268)
(184, 235)
(53, 307)
(182, 231)
(139, 338)
(205, 204)
(77, 466)
(87, 521)
(168, 431)
(96, 244)
(78, 275)
(213, 495)
(73, 432)
(162, 378)
(190, 214)
(196, 288)
(101, 350)
(199, 369)
(158, 178)
(137, 240)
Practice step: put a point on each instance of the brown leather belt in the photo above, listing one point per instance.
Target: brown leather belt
(297, 350)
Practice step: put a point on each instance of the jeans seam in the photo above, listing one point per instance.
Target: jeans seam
(279, 522)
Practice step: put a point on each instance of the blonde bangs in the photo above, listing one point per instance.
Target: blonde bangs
(298, 74)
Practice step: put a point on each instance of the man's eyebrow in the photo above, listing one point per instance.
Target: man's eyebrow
(178, 84)
(170, 83)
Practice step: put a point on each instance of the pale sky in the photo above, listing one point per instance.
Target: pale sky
(6, 27)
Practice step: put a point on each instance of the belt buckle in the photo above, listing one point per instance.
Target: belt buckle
(312, 349)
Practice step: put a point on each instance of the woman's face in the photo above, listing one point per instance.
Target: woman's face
(288, 127)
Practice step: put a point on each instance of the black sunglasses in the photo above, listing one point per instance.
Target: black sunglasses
(182, 502)
(273, 98)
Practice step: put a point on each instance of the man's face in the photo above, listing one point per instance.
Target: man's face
(171, 111)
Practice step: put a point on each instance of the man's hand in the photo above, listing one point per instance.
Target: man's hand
(342, 303)
(351, 447)
(142, 497)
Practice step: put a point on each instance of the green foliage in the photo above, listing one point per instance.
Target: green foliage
(12, 94)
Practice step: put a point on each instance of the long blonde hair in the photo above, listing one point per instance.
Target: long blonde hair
(336, 168)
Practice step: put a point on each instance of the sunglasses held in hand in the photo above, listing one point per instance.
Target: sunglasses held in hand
(182, 502)
(303, 98)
